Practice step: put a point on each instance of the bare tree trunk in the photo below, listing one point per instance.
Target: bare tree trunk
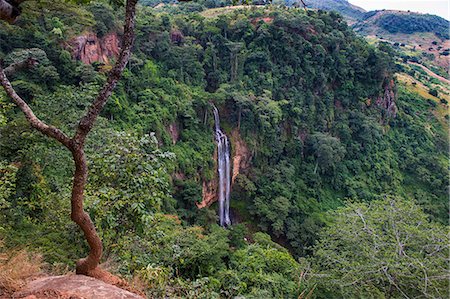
(239, 118)
(88, 265)
(80, 217)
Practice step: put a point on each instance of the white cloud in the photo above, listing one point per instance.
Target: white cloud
(436, 7)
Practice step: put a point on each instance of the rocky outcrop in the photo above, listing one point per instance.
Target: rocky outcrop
(89, 48)
(72, 287)
(210, 188)
(176, 36)
(241, 159)
(174, 132)
(209, 193)
(241, 155)
(386, 101)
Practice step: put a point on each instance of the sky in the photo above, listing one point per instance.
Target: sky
(435, 7)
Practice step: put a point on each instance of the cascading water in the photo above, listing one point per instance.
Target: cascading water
(223, 157)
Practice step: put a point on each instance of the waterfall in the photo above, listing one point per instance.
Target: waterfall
(223, 157)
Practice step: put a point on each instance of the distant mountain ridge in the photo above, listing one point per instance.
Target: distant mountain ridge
(402, 22)
(382, 22)
(385, 21)
(378, 22)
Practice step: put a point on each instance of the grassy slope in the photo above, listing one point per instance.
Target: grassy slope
(371, 26)
(416, 86)
(352, 12)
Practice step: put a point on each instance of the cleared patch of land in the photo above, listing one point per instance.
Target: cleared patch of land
(419, 88)
(431, 73)
(215, 12)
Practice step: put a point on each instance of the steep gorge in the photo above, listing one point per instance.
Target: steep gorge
(306, 106)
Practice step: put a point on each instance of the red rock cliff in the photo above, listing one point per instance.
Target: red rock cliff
(90, 48)
(241, 155)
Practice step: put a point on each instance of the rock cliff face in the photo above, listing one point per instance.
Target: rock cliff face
(90, 48)
(241, 158)
(241, 155)
(210, 188)
(72, 287)
(387, 100)
(174, 132)
(209, 193)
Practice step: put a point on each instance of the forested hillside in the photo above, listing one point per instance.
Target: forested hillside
(348, 10)
(339, 168)
(404, 22)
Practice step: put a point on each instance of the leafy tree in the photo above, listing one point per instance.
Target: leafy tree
(180, 252)
(7, 183)
(264, 268)
(327, 150)
(104, 18)
(411, 23)
(128, 183)
(307, 102)
(385, 249)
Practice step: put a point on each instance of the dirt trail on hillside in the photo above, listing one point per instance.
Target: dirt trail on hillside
(431, 73)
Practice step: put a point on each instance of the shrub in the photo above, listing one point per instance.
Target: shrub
(16, 267)
(433, 92)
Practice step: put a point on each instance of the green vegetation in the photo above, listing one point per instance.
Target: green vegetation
(411, 23)
(388, 248)
(341, 6)
(433, 92)
(313, 103)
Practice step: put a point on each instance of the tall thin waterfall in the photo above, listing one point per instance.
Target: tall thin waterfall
(223, 157)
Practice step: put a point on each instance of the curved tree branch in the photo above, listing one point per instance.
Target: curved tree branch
(35, 122)
(21, 65)
(88, 265)
(304, 4)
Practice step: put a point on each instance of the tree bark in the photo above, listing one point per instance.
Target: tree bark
(88, 265)
(9, 10)
(29, 115)
(79, 216)
(18, 66)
